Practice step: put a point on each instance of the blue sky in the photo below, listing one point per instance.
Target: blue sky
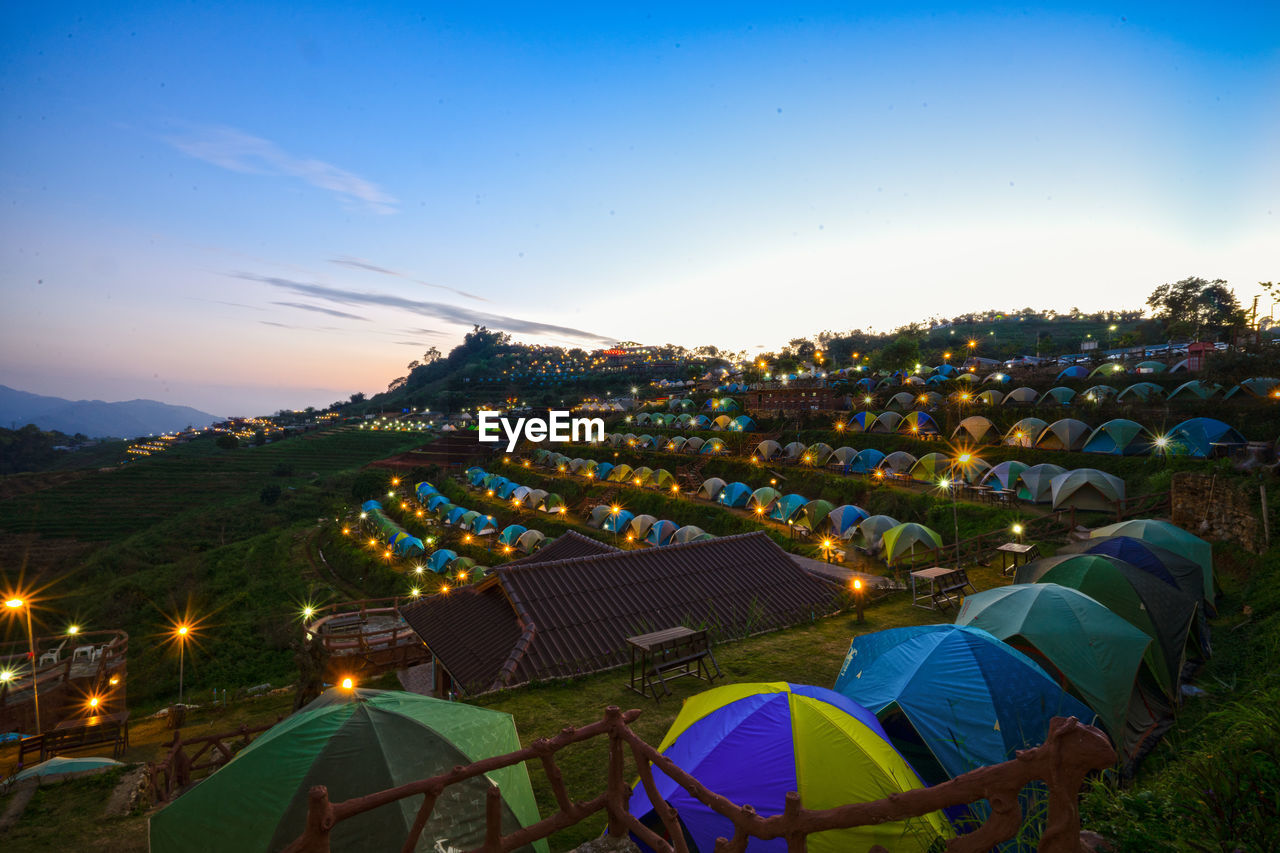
(244, 208)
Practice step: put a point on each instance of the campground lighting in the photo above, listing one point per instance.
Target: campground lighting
(444, 588)
(348, 684)
(395, 481)
(675, 489)
(857, 597)
(346, 531)
(418, 569)
(839, 426)
(759, 510)
(308, 612)
(419, 513)
(6, 675)
(14, 603)
(462, 575)
(867, 399)
(364, 515)
(415, 592)
(391, 494)
(114, 680)
(93, 703)
(72, 630)
(1017, 530)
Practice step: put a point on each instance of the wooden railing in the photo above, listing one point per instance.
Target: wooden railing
(1071, 752)
(63, 681)
(201, 755)
(361, 641)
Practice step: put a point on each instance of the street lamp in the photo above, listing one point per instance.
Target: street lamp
(16, 603)
(180, 633)
(948, 485)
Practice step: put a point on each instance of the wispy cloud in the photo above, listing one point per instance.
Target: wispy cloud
(448, 313)
(330, 311)
(238, 151)
(357, 263)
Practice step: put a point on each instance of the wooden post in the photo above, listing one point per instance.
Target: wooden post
(617, 793)
(1266, 522)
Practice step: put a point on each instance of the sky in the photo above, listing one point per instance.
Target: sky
(248, 207)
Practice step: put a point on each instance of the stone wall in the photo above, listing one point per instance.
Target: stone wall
(1217, 507)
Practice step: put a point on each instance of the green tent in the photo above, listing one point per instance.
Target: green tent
(931, 467)
(1095, 650)
(1036, 482)
(1061, 395)
(905, 539)
(813, 514)
(1025, 432)
(1064, 434)
(1086, 489)
(1144, 601)
(816, 454)
(1170, 536)
(764, 498)
(1141, 390)
(1196, 389)
(354, 742)
(871, 531)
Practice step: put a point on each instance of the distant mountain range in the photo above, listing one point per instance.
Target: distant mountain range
(95, 418)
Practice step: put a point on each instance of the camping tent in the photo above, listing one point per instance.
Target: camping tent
(1061, 396)
(639, 527)
(1075, 371)
(1086, 489)
(661, 532)
(1143, 391)
(886, 422)
(755, 743)
(617, 522)
(1004, 475)
(1256, 387)
(764, 498)
(1025, 432)
(816, 454)
(355, 743)
(867, 461)
(793, 451)
(979, 429)
(842, 456)
(1196, 389)
(735, 495)
(843, 520)
(787, 508)
(711, 488)
(930, 467)
(767, 449)
(1119, 437)
(871, 532)
(967, 699)
(688, 533)
(1197, 436)
(1022, 395)
(1064, 434)
(1150, 605)
(898, 462)
(918, 423)
(1095, 650)
(905, 539)
(1037, 482)
(814, 514)
(1169, 536)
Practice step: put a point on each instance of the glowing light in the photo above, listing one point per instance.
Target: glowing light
(15, 603)
(115, 679)
(964, 458)
(444, 588)
(73, 629)
(395, 481)
(183, 630)
(93, 702)
(348, 684)
(6, 675)
(415, 592)
(857, 585)
(1017, 530)
(308, 612)
(944, 483)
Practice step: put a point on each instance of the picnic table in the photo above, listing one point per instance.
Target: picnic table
(672, 653)
(80, 733)
(1016, 550)
(941, 584)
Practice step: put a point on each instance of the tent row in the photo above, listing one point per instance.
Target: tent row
(395, 536)
(676, 444)
(498, 486)
(1195, 437)
(717, 423)
(643, 528)
(642, 476)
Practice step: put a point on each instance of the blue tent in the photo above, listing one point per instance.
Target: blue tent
(1196, 437)
(787, 507)
(735, 495)
(511, 533)
(426, 490)
(862, 421)
(603, 469)
(866, 461)
(455, 514)
(436, 501)
(504, 491)
(967, 699)
(440, 560)
(408, 546)
(617, 523)
(661, 532)
(743, 423)
(370, 506)
(866, 384)
(1075, 371)
(845, 518)
(1174, 569)
(476, 476)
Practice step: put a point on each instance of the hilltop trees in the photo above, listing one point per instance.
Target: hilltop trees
(1194, 306)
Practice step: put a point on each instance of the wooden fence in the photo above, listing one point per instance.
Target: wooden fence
(201, 755)
(1071, 752)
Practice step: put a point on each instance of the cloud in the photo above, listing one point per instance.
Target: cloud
(237, 151)
(357, 263)
(330, 311)
(440, 311)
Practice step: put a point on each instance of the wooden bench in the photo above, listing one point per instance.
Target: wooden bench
(1017, 551)
(943, 584)
(72, 735)
(673, 653)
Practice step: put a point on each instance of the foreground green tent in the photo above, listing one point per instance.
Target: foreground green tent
(1144, 601)
(1070, 634)
(905, 539)
(354, 743)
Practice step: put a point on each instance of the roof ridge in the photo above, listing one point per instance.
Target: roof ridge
(622, 553)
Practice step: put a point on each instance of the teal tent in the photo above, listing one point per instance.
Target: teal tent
(1119, 437)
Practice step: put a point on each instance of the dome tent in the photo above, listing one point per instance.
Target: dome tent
(754, 743)
(355, 742)
(1086, 489)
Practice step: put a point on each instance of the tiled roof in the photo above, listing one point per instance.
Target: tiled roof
(573, 616)
(564, 547)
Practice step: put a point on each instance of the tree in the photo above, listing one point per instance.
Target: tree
(902, 353)
(357, 397)
(227, 441)
(269, 494)
(1193, 306)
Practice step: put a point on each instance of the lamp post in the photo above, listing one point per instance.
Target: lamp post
(948, 485)
(182, 632)
(15, 604)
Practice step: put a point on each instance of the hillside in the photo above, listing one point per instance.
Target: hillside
(96, 418)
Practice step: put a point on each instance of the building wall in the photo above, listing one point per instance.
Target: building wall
(1218, 508)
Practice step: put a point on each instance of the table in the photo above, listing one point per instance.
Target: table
(81, 733)
(654, 655)
(943, 583)
(1016, 550)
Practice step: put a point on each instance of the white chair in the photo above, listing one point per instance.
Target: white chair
(49, 657)
(82, 653)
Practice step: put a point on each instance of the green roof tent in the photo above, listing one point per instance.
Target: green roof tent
(813, 514)
(979, 429)
(711, 488)
(620, 474)
(903, 541)
(764, 498)
(971, 470)
(1262, 386)
(662, 479)
(931, 467)
(1196, 389)
(871, 532)
(686, 534)
(898, 462)
(1086, 489)
(1144, 601)
(1022, 395)
(713, 446)
(1064, 434)
(918, 423)
(1170, 536)
(886, 422)
(816, 454)
(1025, 432)
(640, 525)
(1067, 632)
(641, 476)
(1151, 367)
(1119, 437)
(1141, 390)
(1037, 482)
(1060, 395)
(552, 503)
(1097, 393)
(767, 449)
(990, 398)
(1108, 369)
(1004, 475)
(355, 743)
(530, 541)
(676, 443)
